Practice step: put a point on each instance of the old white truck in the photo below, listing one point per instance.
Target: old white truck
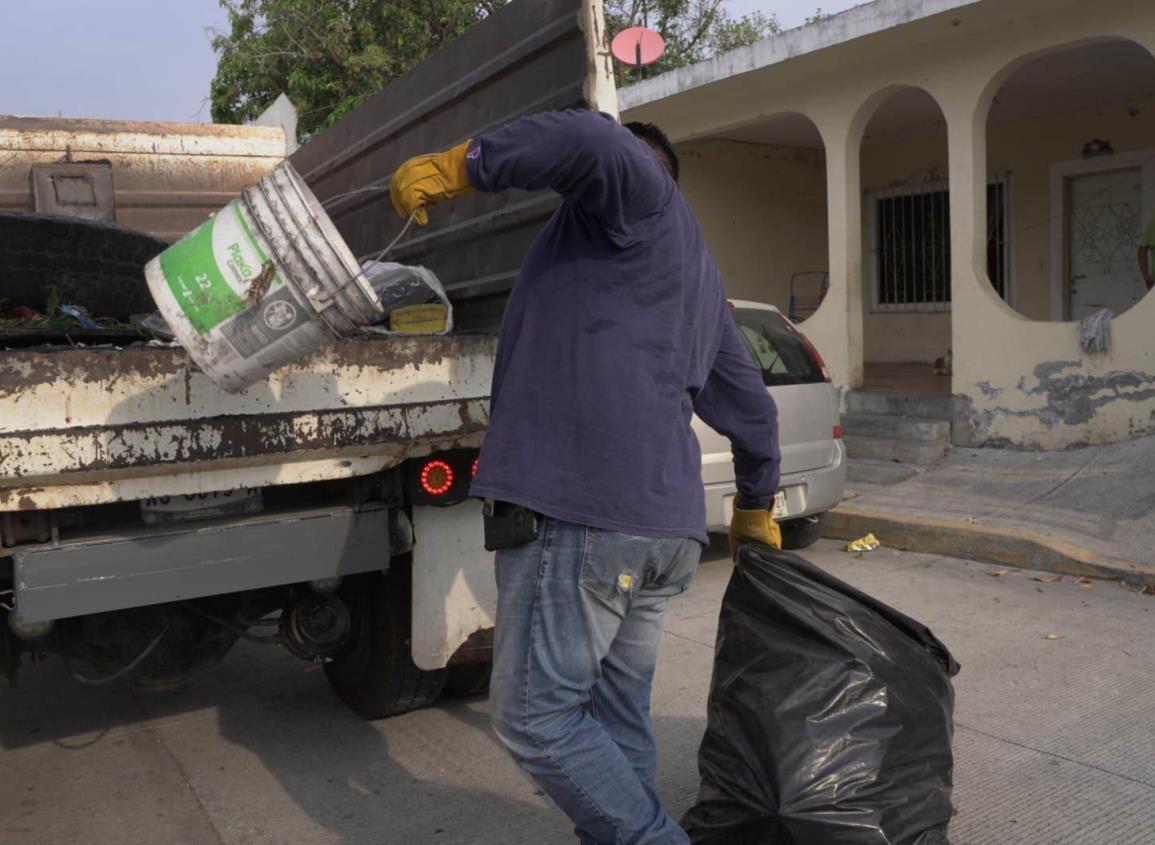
(149, 520)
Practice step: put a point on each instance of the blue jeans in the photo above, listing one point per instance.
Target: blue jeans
(579, 616)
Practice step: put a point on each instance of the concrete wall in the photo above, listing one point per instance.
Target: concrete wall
(1016, 381)
(903, 161)
(1027, 148)
(777, 224)
(762, 210)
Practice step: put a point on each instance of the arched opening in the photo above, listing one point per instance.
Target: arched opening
(906, 246)
(759, 192)
(1071, 141)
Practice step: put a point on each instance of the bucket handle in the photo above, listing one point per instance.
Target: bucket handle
(336, 289)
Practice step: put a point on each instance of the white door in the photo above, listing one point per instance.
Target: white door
(1104, 222)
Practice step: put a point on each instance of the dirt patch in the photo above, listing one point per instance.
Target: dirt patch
(261, 284)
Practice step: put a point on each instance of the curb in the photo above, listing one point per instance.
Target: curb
(1007, 545)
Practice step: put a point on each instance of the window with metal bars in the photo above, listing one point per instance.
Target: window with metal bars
(911, 238)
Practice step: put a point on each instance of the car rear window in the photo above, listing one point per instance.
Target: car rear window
(776, 348)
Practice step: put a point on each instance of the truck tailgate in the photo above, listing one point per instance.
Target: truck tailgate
(89, 426)
(524, 58)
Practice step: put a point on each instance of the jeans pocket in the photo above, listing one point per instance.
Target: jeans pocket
(674, 568)
(612, 566)
(682, 566)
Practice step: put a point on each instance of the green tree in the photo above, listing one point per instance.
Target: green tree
(692, 29)
(327, 55)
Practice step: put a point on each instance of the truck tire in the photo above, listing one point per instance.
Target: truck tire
(468, 679)
(375, 675)
(99, 266)
(802, 533)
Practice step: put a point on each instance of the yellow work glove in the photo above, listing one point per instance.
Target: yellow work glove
(755, 525)
(424, 180)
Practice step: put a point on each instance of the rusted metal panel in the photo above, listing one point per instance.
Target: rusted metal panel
(85, 426)
(89, 426)
(76, 190)
(527, 57)
(167, 176)
(73, 491)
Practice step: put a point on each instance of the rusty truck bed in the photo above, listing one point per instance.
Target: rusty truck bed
(86, 426)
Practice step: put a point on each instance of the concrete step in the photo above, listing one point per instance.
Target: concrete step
(871, 471)
(893, 449)
(900, 428)
(899, 405)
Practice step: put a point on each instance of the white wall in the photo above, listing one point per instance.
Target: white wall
(1027, 148)
(902, 161)
(1016, 380)
(762, 210)
(775, 224)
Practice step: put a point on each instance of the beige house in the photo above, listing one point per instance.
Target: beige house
(965, 175)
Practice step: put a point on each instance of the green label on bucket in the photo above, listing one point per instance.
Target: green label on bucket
(195, 279)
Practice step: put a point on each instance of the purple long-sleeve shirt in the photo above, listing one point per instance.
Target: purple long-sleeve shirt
(616, 331)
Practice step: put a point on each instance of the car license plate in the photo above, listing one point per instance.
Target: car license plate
(194, 506)
(779, 510)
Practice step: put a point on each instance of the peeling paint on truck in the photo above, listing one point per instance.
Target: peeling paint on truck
(87, 426)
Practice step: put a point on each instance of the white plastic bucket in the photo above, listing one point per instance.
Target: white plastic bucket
(261, 283)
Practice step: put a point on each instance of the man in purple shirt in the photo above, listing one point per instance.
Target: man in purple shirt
(616, 332)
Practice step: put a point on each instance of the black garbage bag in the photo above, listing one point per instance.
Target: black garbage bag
(829, 716)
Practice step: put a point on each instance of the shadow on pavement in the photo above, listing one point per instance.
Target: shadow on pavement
(273, 756)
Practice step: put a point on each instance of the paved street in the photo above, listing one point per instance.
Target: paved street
(1055, 740)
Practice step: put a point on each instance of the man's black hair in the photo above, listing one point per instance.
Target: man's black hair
(657, 139)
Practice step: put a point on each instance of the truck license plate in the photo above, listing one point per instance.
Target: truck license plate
(194, 506)
(779, 510)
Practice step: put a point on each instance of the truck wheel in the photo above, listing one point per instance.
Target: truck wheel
(375, 675)
(90, 263)
(802, 533)
(468, 679)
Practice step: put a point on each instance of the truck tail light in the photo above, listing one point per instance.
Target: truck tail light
(473, 467)
(436, 477)
(442, 478)
(837, 432)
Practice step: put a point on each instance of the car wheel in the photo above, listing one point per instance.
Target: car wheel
(802, 533)
(375, 675)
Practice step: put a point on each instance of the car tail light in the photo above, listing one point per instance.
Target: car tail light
(436, 477)
(837, 432)
(473, 467)
(813, 350)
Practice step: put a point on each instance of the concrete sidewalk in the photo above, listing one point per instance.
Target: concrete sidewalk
(1053, 744)
(1083, 512)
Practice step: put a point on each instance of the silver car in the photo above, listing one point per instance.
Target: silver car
(810, 436)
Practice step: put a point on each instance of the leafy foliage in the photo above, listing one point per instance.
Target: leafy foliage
(692, 29)
(327, 55)
(330, 55)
